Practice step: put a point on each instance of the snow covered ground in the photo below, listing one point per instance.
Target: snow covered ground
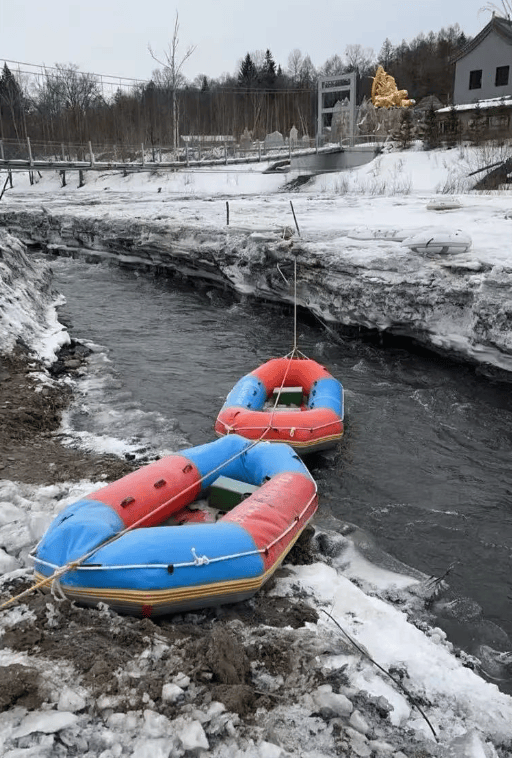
(319, 693)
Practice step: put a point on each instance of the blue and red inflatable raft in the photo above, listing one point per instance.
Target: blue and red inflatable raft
(137, 565)
(252, 408)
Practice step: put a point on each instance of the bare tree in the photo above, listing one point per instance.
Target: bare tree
(333, 66)
(173, 63)
(294, 65)
(359, 59)
(505, 11)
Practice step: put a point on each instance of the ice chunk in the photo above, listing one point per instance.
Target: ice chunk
(171, 693)
(359, 723)
(269, 750)
(10, 512)
(7, 562)
(192, 736)
(70, 700)
(156, 724)
(330, 704)
(44, 721)
(160, 748)
(182, 680)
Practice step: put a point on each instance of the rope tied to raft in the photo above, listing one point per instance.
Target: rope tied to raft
(199, 560)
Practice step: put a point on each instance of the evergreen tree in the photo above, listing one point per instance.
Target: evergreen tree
(11, 104)
(453, 127)
(477, 126)
(247, 74)
(268, 73)
(431, 130)
(405, 131)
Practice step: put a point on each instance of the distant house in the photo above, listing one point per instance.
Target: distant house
(482, 92)
(483, 68)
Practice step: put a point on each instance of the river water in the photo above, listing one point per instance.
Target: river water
(425, 466)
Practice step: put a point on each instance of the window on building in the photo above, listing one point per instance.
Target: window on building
(475, 79)
(501, 76)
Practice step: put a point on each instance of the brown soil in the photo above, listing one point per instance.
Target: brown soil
(29, 420)
(213, 647)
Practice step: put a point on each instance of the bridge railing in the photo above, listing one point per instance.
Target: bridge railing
(27, 153)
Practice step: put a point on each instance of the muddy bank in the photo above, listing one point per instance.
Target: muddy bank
(30, 416)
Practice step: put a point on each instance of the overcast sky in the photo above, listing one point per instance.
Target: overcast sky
(112, 36)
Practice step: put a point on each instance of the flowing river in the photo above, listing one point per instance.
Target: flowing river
(425, 466)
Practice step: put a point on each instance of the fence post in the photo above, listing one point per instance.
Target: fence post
(91, 154)
(2, 155)
(186, 153)
(142, 154)
(30, 159)
(259, 150)
(225, 154)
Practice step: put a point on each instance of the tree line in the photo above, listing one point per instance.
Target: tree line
(65, 105)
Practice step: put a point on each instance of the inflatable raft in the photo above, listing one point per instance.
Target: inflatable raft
(120, 554)
(438, 242)
(290, 399)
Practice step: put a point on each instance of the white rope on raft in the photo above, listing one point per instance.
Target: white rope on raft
(198, 560)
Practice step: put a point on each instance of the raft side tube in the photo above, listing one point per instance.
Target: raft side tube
(182, 556)
(249, 392)
(173, 480)
(79, 528)
(327, 393)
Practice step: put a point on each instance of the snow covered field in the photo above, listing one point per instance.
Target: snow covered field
(314, 693)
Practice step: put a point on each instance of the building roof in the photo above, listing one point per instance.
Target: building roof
(493, 102)
(498, 24)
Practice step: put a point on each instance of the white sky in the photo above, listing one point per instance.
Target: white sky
(112, 36)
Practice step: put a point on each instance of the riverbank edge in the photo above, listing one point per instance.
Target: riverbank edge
(346, 298)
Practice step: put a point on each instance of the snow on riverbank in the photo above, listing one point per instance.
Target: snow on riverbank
(28, 303)
(355, 266)
(275, 677)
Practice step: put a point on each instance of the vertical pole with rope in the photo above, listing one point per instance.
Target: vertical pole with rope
(295, 305)
(295, 287)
